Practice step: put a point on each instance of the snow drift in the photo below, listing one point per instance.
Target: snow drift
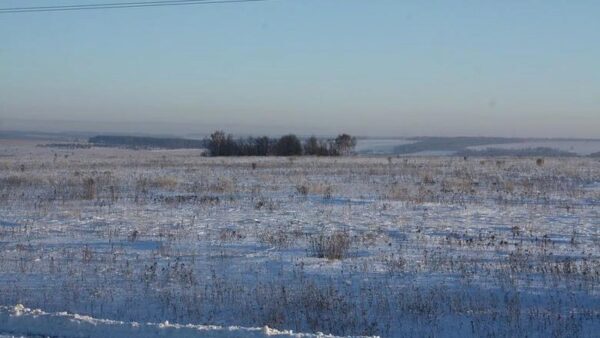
(20, 320)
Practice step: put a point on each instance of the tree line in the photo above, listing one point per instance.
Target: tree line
(143, 142)
(221, 144)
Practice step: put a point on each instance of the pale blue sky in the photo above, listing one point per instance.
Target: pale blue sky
(370, 67)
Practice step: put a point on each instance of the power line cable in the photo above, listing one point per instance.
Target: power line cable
(102, 4)
(117, 5)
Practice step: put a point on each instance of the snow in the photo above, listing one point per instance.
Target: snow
(438, 246)
(35, 322)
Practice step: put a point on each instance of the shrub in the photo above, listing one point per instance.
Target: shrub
(330, 246)
(89, 189)
(278, 238)
(302, 189)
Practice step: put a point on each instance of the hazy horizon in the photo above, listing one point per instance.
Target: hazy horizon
(194, 130)
(370, 68)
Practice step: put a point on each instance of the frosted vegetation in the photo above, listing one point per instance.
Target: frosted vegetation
(344, 246)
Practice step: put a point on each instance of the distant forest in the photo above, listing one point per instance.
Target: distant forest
(141, 142)
(221, 144)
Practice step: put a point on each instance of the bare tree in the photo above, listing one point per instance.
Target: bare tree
(220, 144)
(314, 146)
(344, 144)
(288, 145)
(311, 146)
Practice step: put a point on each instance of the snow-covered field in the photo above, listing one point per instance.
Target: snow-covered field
(122, 243)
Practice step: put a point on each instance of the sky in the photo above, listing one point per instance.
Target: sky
(370, 67)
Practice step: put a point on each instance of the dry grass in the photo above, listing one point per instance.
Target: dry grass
(331, 246)
(430, 242)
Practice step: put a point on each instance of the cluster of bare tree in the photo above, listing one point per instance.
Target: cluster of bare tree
(342, 145)
(221, 144)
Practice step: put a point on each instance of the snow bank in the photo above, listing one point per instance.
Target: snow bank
(19, 320)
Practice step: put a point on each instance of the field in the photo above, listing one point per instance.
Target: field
(124, 243)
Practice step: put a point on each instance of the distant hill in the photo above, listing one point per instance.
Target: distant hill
(143, 142)
(539, 151)
(455, 144)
